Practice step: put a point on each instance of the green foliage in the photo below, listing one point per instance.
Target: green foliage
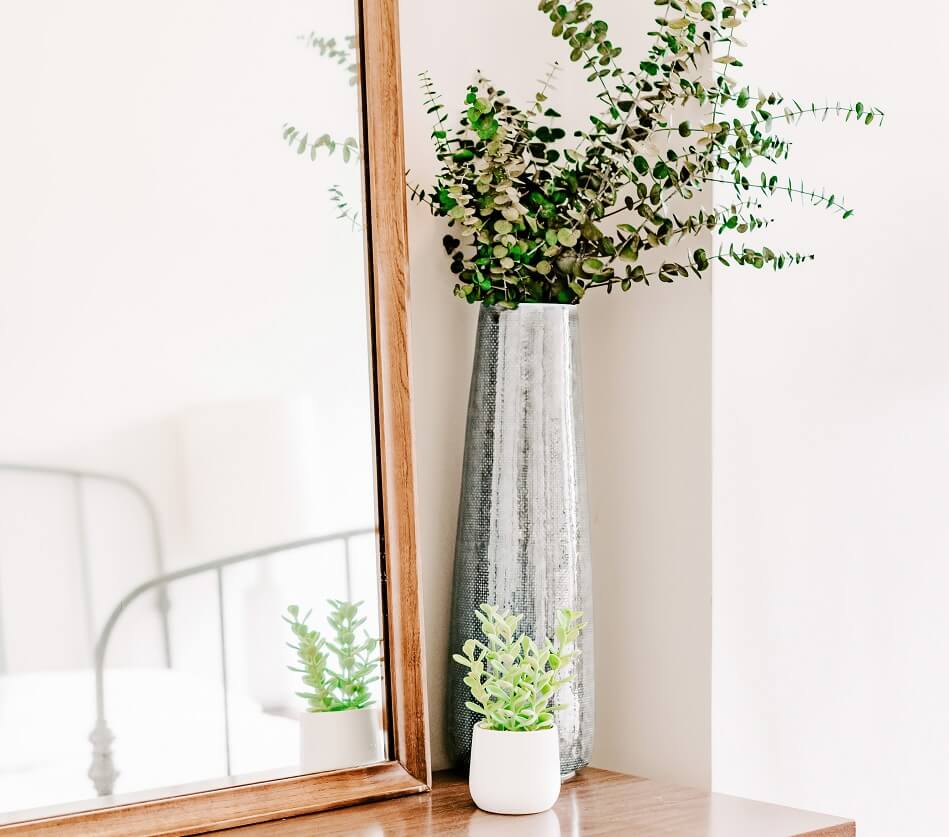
(347, 685)
(300, 140)
(346, 211)
(343, 54)
(531, 211)
(512, 679)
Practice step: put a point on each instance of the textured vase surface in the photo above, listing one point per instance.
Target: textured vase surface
(523, 540)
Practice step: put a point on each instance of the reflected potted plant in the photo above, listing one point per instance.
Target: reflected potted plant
(340, 727)
(515, 753)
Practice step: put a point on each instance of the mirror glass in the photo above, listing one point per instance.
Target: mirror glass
(187, 431)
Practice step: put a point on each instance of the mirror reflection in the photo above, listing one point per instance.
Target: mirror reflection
(189, 572)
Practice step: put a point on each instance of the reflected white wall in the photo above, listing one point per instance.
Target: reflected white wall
(165, 254)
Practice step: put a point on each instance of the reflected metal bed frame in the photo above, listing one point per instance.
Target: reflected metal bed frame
(78, 478)
(103, 771)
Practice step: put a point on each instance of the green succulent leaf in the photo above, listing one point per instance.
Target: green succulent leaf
(344, 684)
(511, 677)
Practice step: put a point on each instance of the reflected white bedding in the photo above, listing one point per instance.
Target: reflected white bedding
(168, 726)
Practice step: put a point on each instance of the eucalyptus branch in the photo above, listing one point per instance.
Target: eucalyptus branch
(583, 36)
(794, 115)
(546, 85)
(349, 147)
(525, 208)
(329, 48)
(417, 193)
(346, 212)
(770, 187)
(736, 217)
(436, 109)
(698, 262)
(665, 41)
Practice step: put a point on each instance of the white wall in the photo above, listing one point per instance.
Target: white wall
(831, 444)
(163, 252)
(647, 393)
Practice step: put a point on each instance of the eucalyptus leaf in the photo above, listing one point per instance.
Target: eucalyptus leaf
(530, 206)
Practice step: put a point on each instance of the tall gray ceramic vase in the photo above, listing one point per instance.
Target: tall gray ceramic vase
(523, 539)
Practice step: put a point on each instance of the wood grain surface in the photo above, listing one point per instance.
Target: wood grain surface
(220, 809)
(597, 802)
(388, 267)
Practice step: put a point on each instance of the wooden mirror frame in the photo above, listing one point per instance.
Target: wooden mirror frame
(409, 770)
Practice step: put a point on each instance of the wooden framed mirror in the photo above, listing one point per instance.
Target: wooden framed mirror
(209, 417)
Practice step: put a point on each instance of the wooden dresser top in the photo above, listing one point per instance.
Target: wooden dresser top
(596, 802)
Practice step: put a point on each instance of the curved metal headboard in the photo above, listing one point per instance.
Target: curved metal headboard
(103, 771)
(77, 477)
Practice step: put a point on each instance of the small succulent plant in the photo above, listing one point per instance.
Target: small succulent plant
(345, 686)
(512, 678)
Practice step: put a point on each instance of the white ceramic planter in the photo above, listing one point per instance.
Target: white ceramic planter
(514, 772)
(337, 740)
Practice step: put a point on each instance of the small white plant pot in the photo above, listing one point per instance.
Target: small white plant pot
(514, 772)
(337, 740)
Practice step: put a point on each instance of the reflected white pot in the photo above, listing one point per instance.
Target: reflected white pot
(544, 824)
(514, 772)
(337, 740)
